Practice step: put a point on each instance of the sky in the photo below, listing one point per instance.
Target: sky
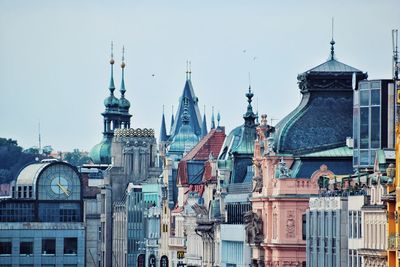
(54, 58)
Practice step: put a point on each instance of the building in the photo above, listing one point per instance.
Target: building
(115, 116)
(290, 158)
(185, 133)
(46, 206)
(373, 123)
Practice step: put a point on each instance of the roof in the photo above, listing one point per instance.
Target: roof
(333, 65)
(101, 153)
(29, 174)
(343, 151)
(306, 167)
(193, 109)
(211, 143)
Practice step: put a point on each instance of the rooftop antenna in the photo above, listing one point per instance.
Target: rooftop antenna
(40, 141)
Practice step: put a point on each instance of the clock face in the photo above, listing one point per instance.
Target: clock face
(59, 182)
(60, 186)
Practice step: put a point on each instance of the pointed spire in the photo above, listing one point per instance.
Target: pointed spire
(172, 118)
(163, 129)
(112, 86)
(332, 42)
(218, 118)
(212, 119)
(187, 69)
(122, 90)
(204, 124)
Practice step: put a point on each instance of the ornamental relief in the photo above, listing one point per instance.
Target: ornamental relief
(290, 224)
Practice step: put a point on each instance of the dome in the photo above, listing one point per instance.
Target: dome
(124, 104)
(111, 102)
(185, 140)
(101, 153)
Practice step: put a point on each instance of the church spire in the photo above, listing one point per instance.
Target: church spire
(204, 124)
(212, 119)
(111, 87)
(218, 118)
(123, 90)
(163, 130)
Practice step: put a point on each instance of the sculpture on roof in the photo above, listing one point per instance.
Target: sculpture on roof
(254, 228)
(282, 170)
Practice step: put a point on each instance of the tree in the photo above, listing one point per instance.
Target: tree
(76, 157)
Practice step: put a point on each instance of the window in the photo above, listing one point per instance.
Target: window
(49, 246)
(354, 224)
(5, 246)
(304, 225)
(359, 224)
(26, 247)
(70, 245)
(350, 220)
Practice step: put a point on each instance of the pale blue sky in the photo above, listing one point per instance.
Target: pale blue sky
(54, 58)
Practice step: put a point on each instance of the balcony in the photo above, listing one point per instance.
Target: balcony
(176, 241)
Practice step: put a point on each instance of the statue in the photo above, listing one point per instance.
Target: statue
(282, 170)
(254, 228)
(258, 178)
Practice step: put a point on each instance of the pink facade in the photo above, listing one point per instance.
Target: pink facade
(281, 204)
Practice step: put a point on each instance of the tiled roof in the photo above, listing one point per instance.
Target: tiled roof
(343, 151)
(211, 143)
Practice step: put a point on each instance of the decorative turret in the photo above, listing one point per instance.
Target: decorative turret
(190, 101)
(124, 104)
(186, 139)
(249, 116)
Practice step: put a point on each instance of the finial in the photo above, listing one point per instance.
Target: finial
(218, 118)
(190, 70)
(112, 53)
(332, 41)
(249, 80)
(123, 57)
(163, 109)
(204, 109)
(187, 69)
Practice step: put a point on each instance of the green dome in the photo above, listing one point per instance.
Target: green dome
(111, 102)
(184, 141)
(124, 104)
(101, 153)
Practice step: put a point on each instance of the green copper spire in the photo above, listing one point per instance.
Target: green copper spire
(122, 90)
(111, 87)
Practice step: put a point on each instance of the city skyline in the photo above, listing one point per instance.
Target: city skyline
(55, 66)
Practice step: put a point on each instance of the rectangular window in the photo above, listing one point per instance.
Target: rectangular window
(364, 85)
(304, 224)
(350, 220)
(376, 85)
(5, 246)
(26, 247)
(364, 159)
(375, 97)
(375, 127)
(364, 98)
(49, 246)
(355, 224)
(364, 127)
(70, 245)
